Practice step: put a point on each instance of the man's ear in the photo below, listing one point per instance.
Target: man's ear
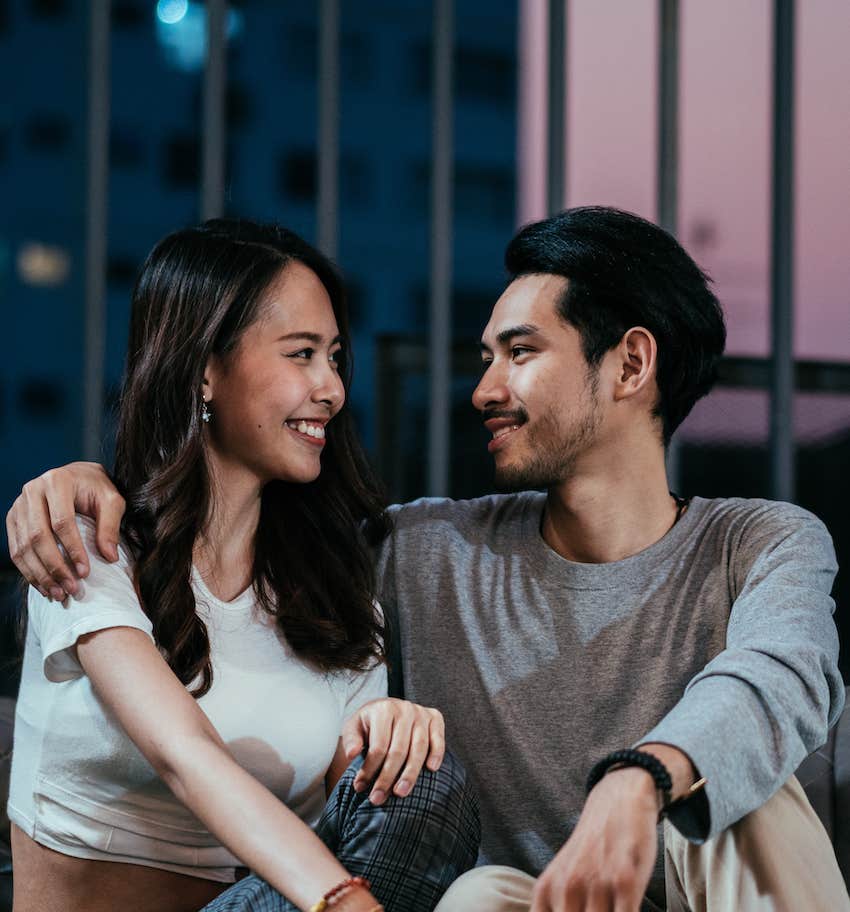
(637, 356)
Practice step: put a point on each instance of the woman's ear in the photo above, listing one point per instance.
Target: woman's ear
(211, 372)
(637, 356)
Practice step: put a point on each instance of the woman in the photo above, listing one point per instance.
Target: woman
(211, 667)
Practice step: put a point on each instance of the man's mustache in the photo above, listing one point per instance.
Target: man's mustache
(517, 416)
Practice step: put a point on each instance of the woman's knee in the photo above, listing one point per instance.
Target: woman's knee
(450, 787)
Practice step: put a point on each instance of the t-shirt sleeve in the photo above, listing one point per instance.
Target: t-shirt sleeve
(385, 557)
(106, 598)
(367, 685)
(750, 717)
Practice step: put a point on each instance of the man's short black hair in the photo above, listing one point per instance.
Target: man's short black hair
(623, 271)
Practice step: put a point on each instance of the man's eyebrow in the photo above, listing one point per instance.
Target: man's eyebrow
(524, 329)
(506, 335)
(315, 338)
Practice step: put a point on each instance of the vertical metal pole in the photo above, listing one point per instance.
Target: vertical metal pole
(668, 160)
(782, 255)
(327, 212)
(441, 250)
(97, 185)
(532, 102)
(668, 113)
(556, 166)
(213, 128)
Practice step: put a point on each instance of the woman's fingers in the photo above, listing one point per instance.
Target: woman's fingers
(419, 745)
(402, 737)
(437, 740)
(395, 756)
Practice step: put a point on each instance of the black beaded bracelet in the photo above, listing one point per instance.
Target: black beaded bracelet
(630, 757)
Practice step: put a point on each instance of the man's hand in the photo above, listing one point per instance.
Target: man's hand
(46, 508)
(606, 864)
(401, 737)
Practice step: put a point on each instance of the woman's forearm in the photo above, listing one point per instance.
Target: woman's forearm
(257, 828)
(179, 741)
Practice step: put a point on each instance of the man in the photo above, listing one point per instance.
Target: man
(555, 629)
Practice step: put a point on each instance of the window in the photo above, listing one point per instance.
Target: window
(484, 75)
(420, 69)
(40, 398)
(182, 161)
(239, 105)
(121, 269)
(484, 192)
(47, 132)
(127, 14)
(126, 150)
(480, 74)
(355, 296)
(418, 188)
(301, 50)
(48, 9)
(297, 175)
(356, 59)
(355, 180)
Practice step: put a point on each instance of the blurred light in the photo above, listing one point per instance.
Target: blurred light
(39, 264)
(181, 30)
(170, 12)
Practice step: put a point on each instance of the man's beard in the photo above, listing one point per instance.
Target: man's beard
(554, 452)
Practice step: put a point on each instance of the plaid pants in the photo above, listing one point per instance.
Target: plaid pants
(410, 849)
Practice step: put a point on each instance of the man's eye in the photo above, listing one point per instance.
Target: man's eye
(519, 350)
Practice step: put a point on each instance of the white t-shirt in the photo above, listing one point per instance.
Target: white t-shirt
(80, 786)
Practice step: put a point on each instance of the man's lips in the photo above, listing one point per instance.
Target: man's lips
(502, 429)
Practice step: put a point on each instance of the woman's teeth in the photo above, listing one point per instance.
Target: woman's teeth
(311, 430)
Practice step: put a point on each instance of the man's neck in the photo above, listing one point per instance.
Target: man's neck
(611, 513)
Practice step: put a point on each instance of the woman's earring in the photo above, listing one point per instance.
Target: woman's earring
(206, 414)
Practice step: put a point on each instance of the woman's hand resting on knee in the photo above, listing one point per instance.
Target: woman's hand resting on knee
(400, 738)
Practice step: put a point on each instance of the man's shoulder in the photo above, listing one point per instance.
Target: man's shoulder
(487, 513)
(756, 524)
(756, 512)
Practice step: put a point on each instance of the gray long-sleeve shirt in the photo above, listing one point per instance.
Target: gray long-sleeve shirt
(717, 639)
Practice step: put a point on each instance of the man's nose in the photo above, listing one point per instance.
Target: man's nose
(491, 389)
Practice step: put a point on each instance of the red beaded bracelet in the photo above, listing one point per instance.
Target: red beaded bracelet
(341, 887)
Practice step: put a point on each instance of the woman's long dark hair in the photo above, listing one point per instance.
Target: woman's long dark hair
(198, 291)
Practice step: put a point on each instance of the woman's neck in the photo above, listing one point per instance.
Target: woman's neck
(224, 551)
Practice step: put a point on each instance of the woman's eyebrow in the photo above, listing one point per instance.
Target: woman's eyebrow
(315, 338)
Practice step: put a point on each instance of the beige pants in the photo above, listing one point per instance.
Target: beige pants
(776, 859)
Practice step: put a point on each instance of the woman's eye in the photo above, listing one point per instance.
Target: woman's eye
(305, 353)
(335, 357)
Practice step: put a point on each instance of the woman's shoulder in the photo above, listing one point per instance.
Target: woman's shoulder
(88, 533)
(106, 597)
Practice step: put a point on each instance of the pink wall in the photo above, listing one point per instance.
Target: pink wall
(725, 150)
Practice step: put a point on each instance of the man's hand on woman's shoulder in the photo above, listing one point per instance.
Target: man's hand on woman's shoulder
(44, 513)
